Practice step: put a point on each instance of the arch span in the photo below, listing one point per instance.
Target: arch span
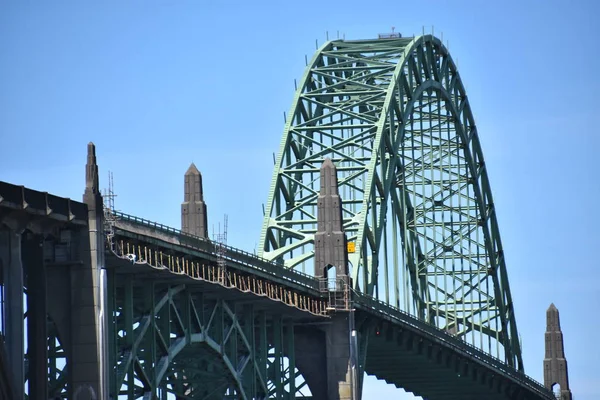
(394, 117)
(187, 333)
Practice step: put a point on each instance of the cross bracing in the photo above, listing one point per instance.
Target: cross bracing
(183, 325)
(175, 339)
(180, 327)
(394, 117)
(392, 334)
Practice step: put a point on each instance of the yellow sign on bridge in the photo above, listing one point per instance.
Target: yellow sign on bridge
(351, 247)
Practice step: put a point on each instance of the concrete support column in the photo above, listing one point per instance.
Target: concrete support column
(37, 332)
(342, 370)
(311, 359)
(331, 255)
(88, 347)
(10, 253)
(85, 360)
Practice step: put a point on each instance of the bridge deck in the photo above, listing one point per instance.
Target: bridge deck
(184, 258)
(39, 207)
(407, 352)
(427, 361)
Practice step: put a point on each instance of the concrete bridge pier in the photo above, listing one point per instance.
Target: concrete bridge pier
(77, 307)
(89, 357)
(339, 343)
(342, 370)
(12, 310)
(327, 355)
(72, 305)
(25, 229)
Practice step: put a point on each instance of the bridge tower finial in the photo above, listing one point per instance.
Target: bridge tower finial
(330, 239)
(555, 364)
(91, 170)
(193, 208)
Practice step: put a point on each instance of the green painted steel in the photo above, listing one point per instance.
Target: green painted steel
(57, 364)
(394, 117)
(386, 336)
(176, 339)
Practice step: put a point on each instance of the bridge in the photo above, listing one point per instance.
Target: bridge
(380, 253)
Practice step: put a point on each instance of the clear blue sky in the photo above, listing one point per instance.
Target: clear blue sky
(159, 84)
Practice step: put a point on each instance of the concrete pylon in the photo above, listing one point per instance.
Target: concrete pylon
(88, 369)
(193, 208)
(331, 256)
(555, 364)
(330, 239)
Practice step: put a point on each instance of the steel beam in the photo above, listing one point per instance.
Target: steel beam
(394, 118)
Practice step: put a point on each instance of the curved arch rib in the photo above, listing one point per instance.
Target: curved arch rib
(394, 117)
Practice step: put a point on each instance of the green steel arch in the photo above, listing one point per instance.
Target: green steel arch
(394, 117)
(169, 343)
(173, 338)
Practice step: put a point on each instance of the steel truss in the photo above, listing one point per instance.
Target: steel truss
(58, 375)
(57, 364)
(175, 339)
(394, 117)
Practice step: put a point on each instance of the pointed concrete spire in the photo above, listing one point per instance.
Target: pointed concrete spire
(91, 195)
(330, 239)
(91, 170)
(552, 318)
(555, 364)
(330, 213)
(192, 170)
(193, 184)
(329, 183)
(193, 208)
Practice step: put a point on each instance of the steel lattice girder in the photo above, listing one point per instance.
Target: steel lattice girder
(173, 339)
(57, 364)
(58, 375)
(394, 117)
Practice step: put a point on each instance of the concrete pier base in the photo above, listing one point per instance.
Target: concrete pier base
(12, 274)
(341, 373)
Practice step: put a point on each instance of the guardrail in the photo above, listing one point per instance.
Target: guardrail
(376, 306)
(380, 307)
(232, 253)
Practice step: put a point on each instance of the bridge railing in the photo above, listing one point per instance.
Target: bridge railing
(380, 307)
(231, 253)
(377, 306)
